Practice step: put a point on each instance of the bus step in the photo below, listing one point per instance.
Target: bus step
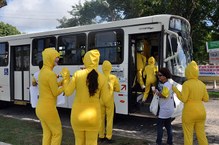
(146, 115)
(18, 102)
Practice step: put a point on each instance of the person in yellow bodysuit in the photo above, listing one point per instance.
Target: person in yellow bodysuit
(141, 62)
(194, 115)
(91, 88)
(46, 109)
(108, 112)
(150, 74)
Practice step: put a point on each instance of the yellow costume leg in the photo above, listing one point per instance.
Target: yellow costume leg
(46, 134)
(79, 137)
(139, 78)
(147, 90)
(188, 129)
(109, 121)
(200, 133)
(103, 119)
(91, 137)
(51, 124)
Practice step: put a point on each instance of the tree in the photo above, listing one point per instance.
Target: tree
(6, 29)
(203, 16)
(3, 3)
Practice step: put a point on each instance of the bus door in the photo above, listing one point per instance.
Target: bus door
(145, 41)
(20, 64)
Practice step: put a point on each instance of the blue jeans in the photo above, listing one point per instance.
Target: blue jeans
(167, 124)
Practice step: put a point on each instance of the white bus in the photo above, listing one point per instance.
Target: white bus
(168, 37)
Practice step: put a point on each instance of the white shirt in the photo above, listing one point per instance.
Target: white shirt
(166, 104)
(35, 75)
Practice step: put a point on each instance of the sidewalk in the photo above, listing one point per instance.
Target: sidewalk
(2, 143)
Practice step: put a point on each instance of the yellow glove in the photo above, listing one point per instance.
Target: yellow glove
(66, 76)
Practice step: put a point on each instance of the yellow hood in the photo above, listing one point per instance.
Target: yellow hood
(107, 67)
(151, 60)
(49, 56)
(192, 70)
(91, 59)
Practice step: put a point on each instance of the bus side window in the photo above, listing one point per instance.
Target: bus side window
(71, 49)
(38, 45)
(3, 54)
(109, 43)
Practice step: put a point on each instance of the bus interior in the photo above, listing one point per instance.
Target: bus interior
(150, 45)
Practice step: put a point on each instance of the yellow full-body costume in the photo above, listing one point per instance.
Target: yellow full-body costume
(46, 109)
(141, 61)
(150, 73)
(194, 114)
(107, 112)
(86, 113)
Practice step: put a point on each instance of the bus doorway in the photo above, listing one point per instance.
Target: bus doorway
(19, 76)
(142, 47)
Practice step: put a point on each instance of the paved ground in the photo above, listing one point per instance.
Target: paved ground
(134, 127)
(147, 131)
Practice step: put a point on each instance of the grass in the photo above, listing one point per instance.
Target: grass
(213, 94)
(21, 132)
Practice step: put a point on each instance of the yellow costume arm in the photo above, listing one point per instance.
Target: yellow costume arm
(116, 87)
(105, 95)
(206, 96)
(182, 96)
(54, 86)
(70, 87)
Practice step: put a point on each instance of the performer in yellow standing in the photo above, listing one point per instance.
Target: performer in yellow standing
(150, 74)
(107, 113)
(194, 115)
(46, 109)
(91, 88)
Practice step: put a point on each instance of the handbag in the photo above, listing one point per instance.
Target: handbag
(154, 106)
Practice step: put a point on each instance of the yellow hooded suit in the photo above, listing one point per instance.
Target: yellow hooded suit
(141, 61)
(46, 107)
(194, 114)
(108, 112)
(86, 113)
(149, 71)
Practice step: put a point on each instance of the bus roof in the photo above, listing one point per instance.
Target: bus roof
(85, 28)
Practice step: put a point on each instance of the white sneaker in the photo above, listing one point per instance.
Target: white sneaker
(143, 86)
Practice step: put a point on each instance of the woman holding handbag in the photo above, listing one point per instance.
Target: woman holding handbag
(166, 107)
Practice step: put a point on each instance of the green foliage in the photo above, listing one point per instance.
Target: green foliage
(203, 16)
(213, 94)
(6, 29)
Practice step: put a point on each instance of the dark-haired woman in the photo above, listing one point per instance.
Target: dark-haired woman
(91, 88)
(166, 104)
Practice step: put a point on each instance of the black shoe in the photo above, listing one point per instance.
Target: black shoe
(109, 141)
(102, 139)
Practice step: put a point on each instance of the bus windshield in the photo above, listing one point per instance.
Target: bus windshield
(179, 47)
(182, 28)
